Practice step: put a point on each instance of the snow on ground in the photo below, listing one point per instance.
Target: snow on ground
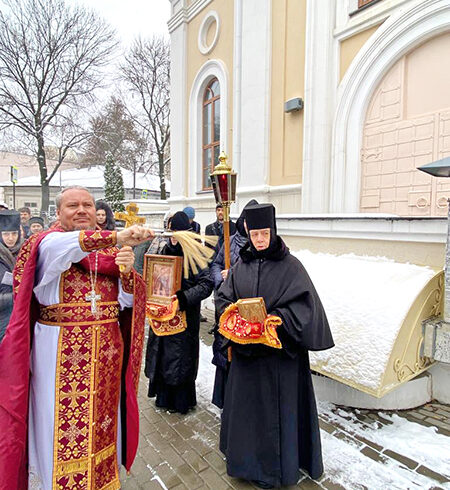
(344, 463)
(366, 300)
(422, 444)
(347, 466)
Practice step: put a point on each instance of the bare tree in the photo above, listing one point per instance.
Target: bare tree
(51, 60)
(146, 72)
(114, 132)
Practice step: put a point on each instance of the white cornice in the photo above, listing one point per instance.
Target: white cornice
(370, 17)
(186, 14)
(425, 230)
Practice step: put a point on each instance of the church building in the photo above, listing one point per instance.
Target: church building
(325, 108)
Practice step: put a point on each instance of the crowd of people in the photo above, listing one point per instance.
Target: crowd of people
(78, 284)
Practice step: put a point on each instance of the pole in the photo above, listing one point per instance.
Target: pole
(134, 178)
(226, 234)
(447, 272)
(14, 195)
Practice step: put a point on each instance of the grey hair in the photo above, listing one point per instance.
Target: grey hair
(59, 196)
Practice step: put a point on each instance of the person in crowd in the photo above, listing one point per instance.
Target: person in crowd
(172, 360)
(156, 246)
(36, 225)
(10, 243)
(25, 215)
(216, 228)
(190, 212)
(105, 216)
(62, 425)
(269, 424)
(3, 206)
(218, 275)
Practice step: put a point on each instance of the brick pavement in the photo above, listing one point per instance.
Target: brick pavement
(181, 452)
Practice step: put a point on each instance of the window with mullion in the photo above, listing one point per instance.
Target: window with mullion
(211, 131)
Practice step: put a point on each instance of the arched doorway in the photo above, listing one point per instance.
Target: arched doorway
(407, 125)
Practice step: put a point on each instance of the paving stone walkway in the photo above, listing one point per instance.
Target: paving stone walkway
(182, 452)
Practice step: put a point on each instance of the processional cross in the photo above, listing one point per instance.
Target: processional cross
(130, 217)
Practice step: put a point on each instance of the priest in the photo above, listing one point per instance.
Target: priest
(270, 426)
(70, 360)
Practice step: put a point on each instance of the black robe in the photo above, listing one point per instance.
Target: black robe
(270, 425)
(171, 362)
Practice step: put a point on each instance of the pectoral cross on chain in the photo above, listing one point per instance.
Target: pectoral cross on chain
(92, 297)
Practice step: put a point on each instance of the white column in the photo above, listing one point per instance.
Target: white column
(321, 78)
(254, 136)
(178, 107)
(237, 82)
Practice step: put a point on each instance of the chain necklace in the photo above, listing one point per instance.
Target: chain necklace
(92, 296)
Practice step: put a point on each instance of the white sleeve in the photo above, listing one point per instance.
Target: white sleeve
(125, 299)
(57, 252)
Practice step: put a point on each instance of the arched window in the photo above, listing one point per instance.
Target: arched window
(211, 131)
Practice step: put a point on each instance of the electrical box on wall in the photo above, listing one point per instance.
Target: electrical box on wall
(293, 105)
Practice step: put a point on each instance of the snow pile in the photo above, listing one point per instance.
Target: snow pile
(366, 300)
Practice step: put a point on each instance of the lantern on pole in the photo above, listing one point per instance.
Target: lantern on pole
(224, 185)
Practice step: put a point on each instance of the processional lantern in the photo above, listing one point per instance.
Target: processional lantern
(437, 333)
(224, 186)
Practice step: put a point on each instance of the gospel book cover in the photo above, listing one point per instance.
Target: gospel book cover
(252, 309)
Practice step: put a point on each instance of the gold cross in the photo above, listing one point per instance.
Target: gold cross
(130, 217)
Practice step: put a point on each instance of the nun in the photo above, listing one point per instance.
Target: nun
(270, 428)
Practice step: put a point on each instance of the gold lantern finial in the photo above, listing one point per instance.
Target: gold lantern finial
(223, 167)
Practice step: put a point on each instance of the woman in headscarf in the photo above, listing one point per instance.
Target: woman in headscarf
(172, 360)
(105, 216)
(10, 243)
(270, 427)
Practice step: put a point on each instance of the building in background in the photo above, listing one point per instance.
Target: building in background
(28, 190)
(27, 166)
(324, 108)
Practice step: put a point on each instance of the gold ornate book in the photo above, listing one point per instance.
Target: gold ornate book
(252, 309)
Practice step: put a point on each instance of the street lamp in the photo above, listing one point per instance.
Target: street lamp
(224, 186)
(437, 333)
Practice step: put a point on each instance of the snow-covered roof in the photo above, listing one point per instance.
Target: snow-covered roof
(366, 300)
(91, 177)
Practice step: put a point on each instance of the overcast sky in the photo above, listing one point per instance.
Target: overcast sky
(133, 17)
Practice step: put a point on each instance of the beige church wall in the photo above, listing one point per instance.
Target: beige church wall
(222, 51)
(350, 47)
(288, 74)
(419, 253)
(407, 125)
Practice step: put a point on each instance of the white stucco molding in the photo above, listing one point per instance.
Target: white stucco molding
(186, 13)
(347, 26)
(211, 69)
(364, 227)
(209, 19)
(397, 36)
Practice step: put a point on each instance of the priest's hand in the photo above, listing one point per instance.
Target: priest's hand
(125, 259)
(134, 235)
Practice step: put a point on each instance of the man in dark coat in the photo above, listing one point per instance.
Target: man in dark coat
(172, 361)
(270, 425)
(216, 228)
